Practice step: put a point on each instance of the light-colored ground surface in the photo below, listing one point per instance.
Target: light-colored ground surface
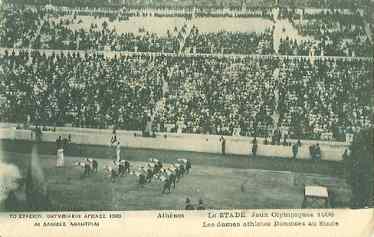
(160, 25)
(219, 187)
(284, 29)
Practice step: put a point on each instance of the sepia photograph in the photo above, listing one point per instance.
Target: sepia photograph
(140, 105)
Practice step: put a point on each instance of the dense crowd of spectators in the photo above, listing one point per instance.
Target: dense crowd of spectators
(327, 95)
(58, 35)
(54, 32)
(330, 33)
(19, 26)
(207, 4)
(84, 90)
(230, 42)
(36, 28)
(193, 93)
(201, 3)
(69, 3)
(216, 95)
(357, 47)
(334, 33)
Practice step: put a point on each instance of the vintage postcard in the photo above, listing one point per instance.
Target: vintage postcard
(186, 117)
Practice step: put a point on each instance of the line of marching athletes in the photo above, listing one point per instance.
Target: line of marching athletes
(169, 175)
(174, 174)
(154, 169)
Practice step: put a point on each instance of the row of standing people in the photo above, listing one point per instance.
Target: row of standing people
(314, 150)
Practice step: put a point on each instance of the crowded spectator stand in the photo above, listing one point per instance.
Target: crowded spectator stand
(186, 81)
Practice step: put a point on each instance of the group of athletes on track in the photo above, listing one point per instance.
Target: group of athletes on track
(154, 169)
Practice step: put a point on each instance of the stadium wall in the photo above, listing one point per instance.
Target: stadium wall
(330, 150)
